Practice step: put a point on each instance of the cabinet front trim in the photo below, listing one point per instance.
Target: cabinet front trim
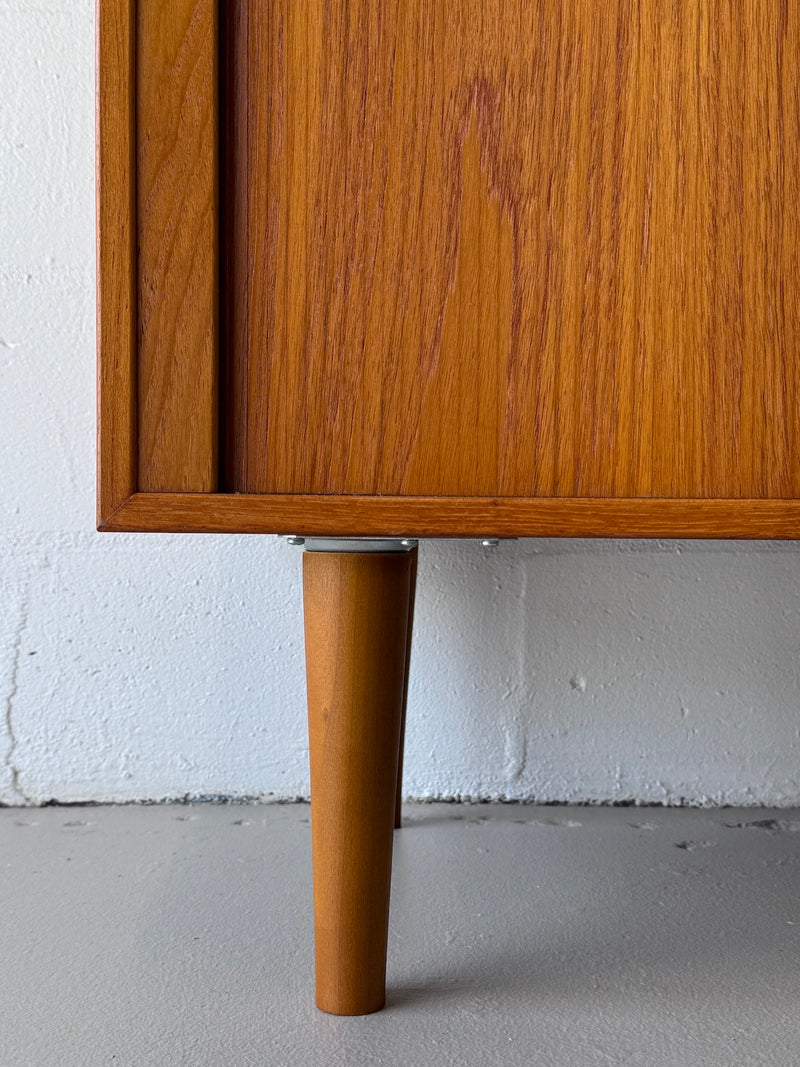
(455, 516)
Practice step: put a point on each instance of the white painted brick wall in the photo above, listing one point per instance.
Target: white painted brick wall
(137, 667)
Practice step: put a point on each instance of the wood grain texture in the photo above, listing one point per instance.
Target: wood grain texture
(177, 222)
(356, 619)
(116, 279)
(456, 516)
(519, 248)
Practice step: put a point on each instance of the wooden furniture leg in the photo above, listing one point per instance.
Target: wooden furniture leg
(398, 803)
(356, 608)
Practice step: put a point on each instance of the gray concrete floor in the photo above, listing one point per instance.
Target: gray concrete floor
(519, 935)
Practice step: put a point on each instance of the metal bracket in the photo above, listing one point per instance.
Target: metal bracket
(354, 544)
(368, 544)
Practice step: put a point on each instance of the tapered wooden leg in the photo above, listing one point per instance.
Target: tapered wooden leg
(398, 803)
(356, 608)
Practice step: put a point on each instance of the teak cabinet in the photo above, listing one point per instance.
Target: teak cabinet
(440, 268)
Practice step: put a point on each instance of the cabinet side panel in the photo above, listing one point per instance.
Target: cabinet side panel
(176, 141)
(116, 255)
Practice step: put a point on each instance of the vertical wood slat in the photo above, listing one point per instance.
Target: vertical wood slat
(116, 298)
(177, 207)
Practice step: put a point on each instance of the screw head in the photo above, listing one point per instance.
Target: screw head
(490, 542)
(293, 539)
